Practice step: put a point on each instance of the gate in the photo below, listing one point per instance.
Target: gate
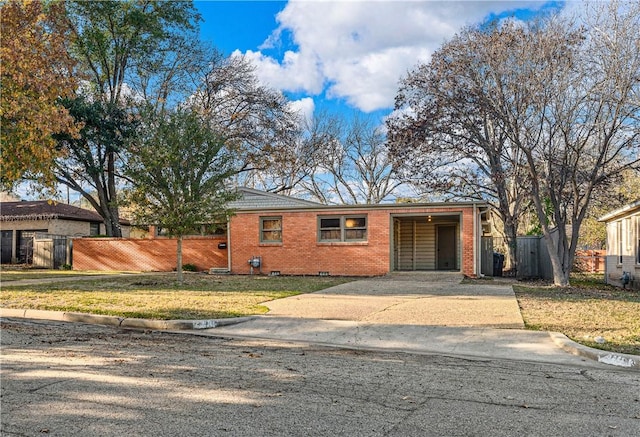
(486, 256)
(49, 251)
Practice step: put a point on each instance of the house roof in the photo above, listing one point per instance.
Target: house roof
(621, 212)
(47, 210)
(256, 200)
(251, 199)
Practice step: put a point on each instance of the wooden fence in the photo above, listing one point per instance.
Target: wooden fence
(534, 260)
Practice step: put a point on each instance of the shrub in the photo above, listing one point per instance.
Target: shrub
(189, 268)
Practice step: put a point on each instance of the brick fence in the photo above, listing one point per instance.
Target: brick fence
(590, 260)
(157, 255)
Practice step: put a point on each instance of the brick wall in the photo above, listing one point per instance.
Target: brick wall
(147, 255)
(466, 229)
(300, 253)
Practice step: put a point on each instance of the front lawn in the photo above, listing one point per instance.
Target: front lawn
(588, 312)
(157, 296)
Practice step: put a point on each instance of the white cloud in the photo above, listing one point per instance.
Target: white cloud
(293, 73)
(304, 107)
(360, 49)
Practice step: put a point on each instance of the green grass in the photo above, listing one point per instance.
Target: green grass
(158, 296)
(586, 310)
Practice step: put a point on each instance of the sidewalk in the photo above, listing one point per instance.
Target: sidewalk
(512, 344)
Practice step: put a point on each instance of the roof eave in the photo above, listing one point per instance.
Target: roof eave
(379, 206)
(627, 209)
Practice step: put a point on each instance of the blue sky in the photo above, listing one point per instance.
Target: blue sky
(344, 55)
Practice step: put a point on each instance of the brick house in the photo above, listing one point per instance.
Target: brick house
(288, 236)
(623, 246)
(20, 222)
(293, 237)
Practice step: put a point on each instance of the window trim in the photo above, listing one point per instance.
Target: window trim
(638, 240)
(263, 230)
(343, 228)
(619, 242)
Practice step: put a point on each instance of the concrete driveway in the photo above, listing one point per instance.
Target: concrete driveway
(414, 313)
(430, 299)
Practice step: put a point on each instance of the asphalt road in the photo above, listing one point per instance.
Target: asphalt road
(62, 379)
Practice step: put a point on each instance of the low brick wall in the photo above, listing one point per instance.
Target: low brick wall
(157, 255)
(590, 261)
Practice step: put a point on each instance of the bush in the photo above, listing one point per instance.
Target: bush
(189, 268)
(65, 267)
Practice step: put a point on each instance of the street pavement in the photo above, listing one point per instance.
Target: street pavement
(76, 379)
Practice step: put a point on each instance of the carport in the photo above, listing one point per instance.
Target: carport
(426, 242)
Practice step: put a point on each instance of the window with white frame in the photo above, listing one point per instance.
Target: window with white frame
(342, 228)
(619, 240)
(271, 229)
(638, 239)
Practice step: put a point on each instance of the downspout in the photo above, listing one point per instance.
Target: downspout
(475, 242)
(229, 243)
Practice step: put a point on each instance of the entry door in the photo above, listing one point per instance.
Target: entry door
(447, 248)
(6, 246)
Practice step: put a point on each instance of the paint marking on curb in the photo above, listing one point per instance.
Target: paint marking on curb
(616, 360)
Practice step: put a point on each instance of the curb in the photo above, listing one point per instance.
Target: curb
(605, 357)
(121, 322)
(611, 358)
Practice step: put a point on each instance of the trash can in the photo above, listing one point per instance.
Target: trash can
(498, 264)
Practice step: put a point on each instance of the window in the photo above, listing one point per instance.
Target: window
(342, 228)
(619, 242)
(271, 229)
(638, 239)
(94, 229)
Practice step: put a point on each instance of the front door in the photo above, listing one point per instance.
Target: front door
(447, 247)
(6, 246)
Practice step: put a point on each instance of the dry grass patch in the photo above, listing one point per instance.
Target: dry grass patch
(158, 296)
(583, 312)
(16, 274)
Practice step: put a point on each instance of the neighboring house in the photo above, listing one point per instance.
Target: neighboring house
(21, 222)
(279, 235)
(623, 246)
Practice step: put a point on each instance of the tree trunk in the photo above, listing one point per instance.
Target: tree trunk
(179, 257)
(511, 235)
(560, 272)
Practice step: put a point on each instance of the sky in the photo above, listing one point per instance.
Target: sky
(344, 56)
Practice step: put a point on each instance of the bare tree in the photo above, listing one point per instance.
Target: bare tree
(583, 127)
(256, 122)
(562, 98)
(444, 137)
(354, 165)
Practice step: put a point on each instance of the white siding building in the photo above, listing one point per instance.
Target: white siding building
(623, 246)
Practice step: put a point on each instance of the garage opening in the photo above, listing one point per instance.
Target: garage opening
(426, 243)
